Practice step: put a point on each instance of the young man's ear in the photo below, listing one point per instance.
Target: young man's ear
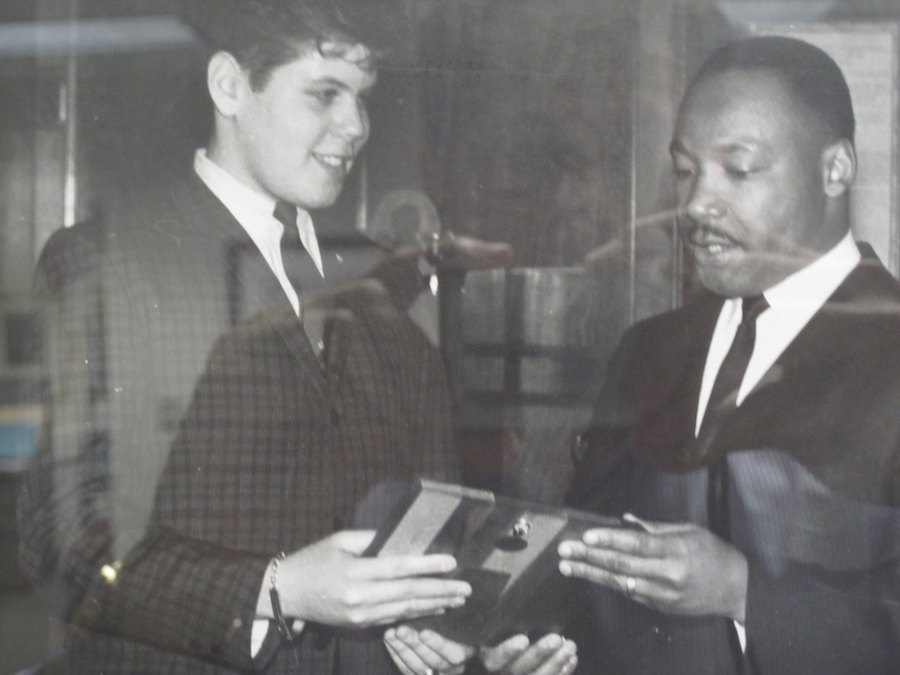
(226, 81)
(839, 167)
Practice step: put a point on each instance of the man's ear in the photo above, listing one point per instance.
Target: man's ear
(838, 167)
(226, 81)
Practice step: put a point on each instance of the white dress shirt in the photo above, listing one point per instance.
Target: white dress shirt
(792, 303)
(255, 213)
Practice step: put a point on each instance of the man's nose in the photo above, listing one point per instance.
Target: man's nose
(704, 202)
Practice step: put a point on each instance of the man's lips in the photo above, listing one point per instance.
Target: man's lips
(710, 242)
(336, 162)
(713, 246)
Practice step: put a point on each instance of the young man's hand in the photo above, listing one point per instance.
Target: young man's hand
(329, 582)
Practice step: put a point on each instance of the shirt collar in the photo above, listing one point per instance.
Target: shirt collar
(815, 283)
(238, 198)
(254, 210)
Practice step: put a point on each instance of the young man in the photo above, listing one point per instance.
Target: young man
(760, 421)
(181, 326)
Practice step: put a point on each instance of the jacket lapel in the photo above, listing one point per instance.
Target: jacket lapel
(824, 347)
(665, 437)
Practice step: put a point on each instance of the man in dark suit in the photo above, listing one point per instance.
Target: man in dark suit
(753, 434)
(182, 327)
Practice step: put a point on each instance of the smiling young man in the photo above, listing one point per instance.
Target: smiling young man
(202, 453)
(758, 421)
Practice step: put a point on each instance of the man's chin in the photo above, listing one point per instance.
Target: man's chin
(736, 283)
(730, 281)
(321, 199)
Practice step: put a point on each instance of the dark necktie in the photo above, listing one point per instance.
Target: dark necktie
(723, 397)
(286, 214)
(722, 401)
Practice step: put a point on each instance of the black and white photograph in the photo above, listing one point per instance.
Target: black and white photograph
(450, 337)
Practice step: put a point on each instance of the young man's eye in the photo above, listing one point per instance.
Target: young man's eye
(325, 95)
(683, 172)
(738, 173)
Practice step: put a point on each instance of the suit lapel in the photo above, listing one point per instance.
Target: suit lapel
(823, 347)
(665, 438)
(254, 292)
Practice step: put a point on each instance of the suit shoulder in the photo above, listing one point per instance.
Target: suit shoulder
(869, 295)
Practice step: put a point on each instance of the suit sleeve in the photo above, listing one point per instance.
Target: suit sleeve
(836, 622)
(843, 616)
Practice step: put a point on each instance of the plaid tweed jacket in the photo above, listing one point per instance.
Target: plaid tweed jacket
(192, 433)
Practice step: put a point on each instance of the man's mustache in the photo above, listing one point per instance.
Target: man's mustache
(696, 231)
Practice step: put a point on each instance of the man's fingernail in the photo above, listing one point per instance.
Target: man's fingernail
(457, 602)
(554, 642)
(565, 549)
(591, 538)
(565, 569)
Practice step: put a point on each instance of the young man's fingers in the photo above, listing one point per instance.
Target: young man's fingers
(449, 592)
(399, 566)
(545, 656)
(403, 610)
(453, 652)
(499, 656)
(432, 650)
(406, 660)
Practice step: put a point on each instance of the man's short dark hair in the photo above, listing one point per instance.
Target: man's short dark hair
(809, 74)
(265, 34)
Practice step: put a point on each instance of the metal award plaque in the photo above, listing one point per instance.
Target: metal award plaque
(505, 548)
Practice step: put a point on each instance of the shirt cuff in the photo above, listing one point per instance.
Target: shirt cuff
(261, 625)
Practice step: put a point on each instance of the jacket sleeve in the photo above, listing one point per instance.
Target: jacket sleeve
(806, 620)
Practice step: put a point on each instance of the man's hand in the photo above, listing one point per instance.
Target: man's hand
(330, 583)
(419, 652)
(679, 569)
(551, 655)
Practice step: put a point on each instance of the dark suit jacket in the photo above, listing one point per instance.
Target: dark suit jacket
(174, 348)
(819, 435)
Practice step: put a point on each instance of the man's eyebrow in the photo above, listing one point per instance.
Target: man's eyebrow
(738, 146)
(328, 81)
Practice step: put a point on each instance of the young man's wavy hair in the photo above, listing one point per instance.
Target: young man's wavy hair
(265, 34)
